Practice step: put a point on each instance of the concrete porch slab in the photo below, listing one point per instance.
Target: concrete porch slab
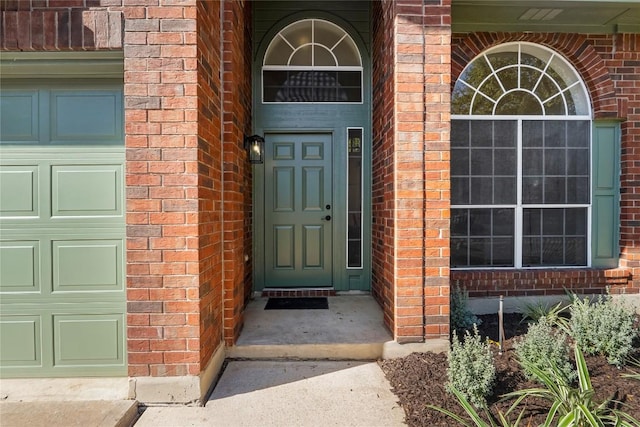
(351, 329)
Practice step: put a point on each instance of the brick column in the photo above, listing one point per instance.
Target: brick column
(423, 59)
(437, 123)
(409, 171)
(383, 144)
(237, 169)
(411, 166)
(210, 186)
(163, 283)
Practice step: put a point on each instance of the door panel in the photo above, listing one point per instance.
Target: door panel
(312, 248)
(312, 189)
(298, 199)
(284, 246)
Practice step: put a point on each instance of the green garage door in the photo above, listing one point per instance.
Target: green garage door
(62, 228)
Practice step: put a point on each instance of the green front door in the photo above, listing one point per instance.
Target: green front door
(298, 210)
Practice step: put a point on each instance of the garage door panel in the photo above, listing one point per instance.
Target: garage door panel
(21, 341)
(62, 340)
(62, 229)
(20, 266)
(87, 265)
(88, 339)
(19, 191)
(19, 118)
(86, 116)
(86, 190)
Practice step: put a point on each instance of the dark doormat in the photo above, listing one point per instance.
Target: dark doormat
(304, 303)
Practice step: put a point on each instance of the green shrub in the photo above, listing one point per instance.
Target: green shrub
(569, 406)
(603, 327)
(542, 347)
(462, 319)
(471, 370)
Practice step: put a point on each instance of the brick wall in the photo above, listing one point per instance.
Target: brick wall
(540, 282)
(383, 189)
(237, 169)
(49, 25)
(165, 332)
(609, 66)
(621, 56)
(411, 57)
(210, 186)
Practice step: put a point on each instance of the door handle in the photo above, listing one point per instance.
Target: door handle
(326, 218)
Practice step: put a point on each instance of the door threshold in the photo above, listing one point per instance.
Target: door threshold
(296, 292)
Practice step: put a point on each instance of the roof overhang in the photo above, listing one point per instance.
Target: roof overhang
(558, 16)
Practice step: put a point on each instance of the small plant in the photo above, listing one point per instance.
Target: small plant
(634, 373)
(570, 407)
(462, 319)
(500, 421)
(532, 312)
(574, 407)
(541, 345)
(471, 370)
(603, 327)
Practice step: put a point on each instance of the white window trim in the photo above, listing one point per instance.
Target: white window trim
(313, 67)
(494, 73)
(519, 207)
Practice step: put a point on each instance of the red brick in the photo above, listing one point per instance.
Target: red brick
(168, 345)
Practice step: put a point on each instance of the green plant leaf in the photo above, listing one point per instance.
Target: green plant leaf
(588, 415)
(469, 409)
(552, 413)
(584, 379)
(625, 420)
(454, 416)
(568, 420)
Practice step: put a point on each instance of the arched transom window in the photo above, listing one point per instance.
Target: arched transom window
(312, 61)
(520, 161)
(520, 79)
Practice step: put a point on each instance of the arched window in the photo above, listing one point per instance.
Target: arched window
(520, 161)
(312, 61)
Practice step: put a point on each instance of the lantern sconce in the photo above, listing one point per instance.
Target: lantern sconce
(254, 145)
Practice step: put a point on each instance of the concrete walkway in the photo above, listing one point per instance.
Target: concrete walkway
(66, 402)
(290, 393)
(249, 394)
(299, 377)
(91, 413)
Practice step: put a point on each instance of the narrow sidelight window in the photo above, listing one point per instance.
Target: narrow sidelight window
(354, 198)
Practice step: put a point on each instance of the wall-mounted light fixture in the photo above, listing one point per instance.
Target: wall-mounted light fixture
(254, 145)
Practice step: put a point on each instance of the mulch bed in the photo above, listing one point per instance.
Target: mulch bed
(420, 379)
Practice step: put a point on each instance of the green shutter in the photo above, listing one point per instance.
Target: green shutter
(606, 195)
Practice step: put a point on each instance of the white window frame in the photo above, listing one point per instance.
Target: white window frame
(519, 207)
(313, 67)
